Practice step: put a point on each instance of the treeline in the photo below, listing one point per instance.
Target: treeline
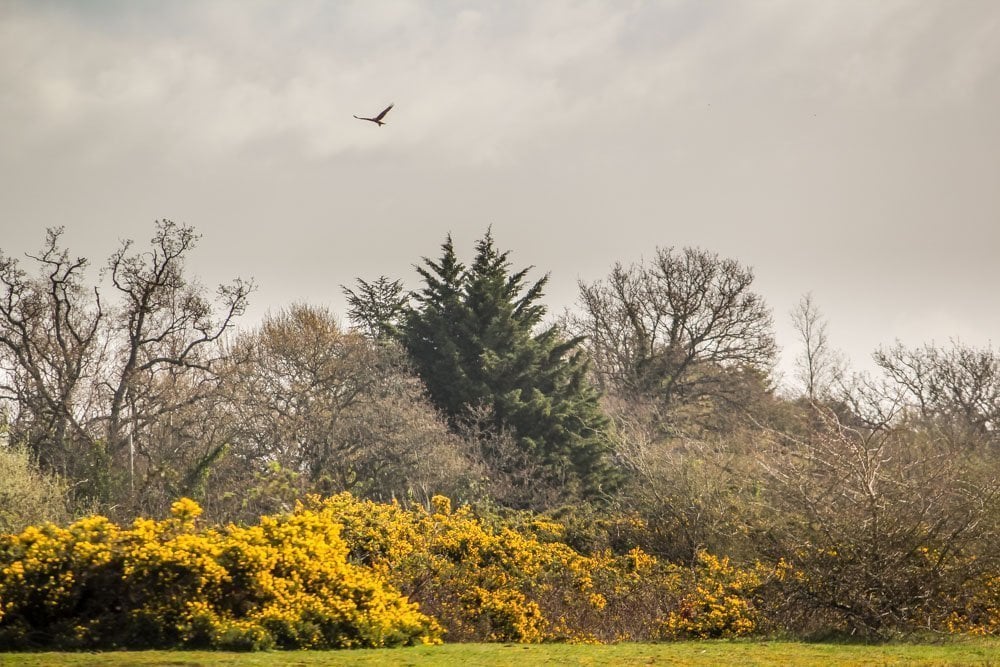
(647, 417)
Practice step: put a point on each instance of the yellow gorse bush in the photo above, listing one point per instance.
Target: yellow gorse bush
(719, 604)
(487, 583)
(976, 609)
(285, 582)
(479, 583)
(344, 572)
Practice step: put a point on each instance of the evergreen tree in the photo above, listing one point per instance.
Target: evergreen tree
(473, 338)
(376, 308)
(432, 329)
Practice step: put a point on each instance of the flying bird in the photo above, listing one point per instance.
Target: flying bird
(378, 119)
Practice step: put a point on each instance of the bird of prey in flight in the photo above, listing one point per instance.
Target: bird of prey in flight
(378, 119)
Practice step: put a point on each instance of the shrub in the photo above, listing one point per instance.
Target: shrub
(334, 573)
(27, 495)
(283, 583)
(885, 531)
(481, 583)
(717, 601)
(976, 608)
(487, 582)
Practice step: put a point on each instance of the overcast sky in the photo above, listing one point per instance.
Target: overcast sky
(847, 147)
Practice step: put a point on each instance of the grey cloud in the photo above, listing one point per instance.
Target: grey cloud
(842, 146)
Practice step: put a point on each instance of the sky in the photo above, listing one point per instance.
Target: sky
(846, 148)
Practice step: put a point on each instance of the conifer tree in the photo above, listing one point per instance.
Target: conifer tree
(473, 336)
(431, 331)
(376, 307)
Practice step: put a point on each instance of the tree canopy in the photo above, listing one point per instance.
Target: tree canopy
(682, 331)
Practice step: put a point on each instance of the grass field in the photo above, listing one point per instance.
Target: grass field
(743, 653)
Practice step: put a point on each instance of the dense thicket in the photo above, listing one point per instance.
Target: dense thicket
(339, 572)
(27, 493)
(648, 417)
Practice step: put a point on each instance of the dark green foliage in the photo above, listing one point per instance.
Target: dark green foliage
(476, 340)
(432, 333)
(377, 307)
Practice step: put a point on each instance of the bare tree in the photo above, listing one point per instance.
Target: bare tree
(818, 365)
(51, 344)
(955, 389)
(94, 383)
(677, 330)
(166, 327)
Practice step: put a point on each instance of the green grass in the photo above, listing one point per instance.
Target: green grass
(742, 653)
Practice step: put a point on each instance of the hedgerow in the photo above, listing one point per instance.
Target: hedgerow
(341, 572)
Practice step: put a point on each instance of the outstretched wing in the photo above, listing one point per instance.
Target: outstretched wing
(384, 112)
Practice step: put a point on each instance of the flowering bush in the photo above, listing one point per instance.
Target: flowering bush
(494, 583)
(976, 609)
(334, 573)
(480, 583)
(283, 583)
(717, 601)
